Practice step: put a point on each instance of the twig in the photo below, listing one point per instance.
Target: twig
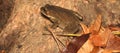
(53, 35)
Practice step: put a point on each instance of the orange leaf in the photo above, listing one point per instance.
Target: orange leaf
(101, 38)
(96, 24)
(107, 51)
(95, 49)
(95, 30)
(105, 36)
(96, 40)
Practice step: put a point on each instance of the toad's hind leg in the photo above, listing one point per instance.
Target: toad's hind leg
(71, 29)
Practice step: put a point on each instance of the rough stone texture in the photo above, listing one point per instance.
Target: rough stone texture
(24, 28)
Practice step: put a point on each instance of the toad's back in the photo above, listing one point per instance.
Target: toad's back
(66, 19)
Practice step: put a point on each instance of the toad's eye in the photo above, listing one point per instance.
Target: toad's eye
(43, 10)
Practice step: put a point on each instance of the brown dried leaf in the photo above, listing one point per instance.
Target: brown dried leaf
(113, 43)
(86, 48)
(76, 44)
(114, 28)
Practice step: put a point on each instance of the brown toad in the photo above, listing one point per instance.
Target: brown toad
(67, 20)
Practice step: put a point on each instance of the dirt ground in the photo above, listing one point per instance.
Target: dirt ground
(21, 22)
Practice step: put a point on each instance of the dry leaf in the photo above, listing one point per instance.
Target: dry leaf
(105, 36)
(113, 43)
(107, 51)
(95, 49)
(86, 48)
(96, 40)
(96, 25)
(114, 28)
(76, 44)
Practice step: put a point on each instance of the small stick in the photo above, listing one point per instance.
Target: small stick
(53, 35)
